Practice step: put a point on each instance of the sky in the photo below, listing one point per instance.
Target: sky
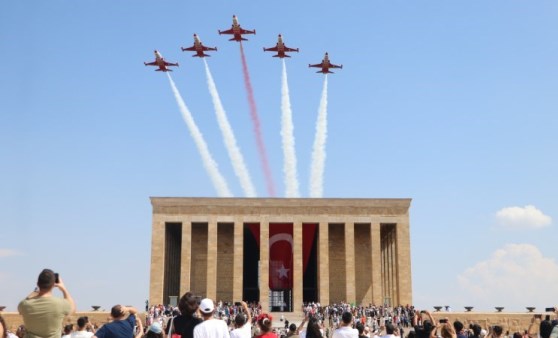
(450, 103)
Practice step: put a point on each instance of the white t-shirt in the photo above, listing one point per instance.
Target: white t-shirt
(211, 328)
(242, 332)
(345, 332)
(81, 334)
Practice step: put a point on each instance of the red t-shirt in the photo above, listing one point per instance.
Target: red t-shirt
(267, 335)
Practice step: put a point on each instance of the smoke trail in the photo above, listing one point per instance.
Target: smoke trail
(228, 137)
(318, 152)
(287, 134)
(256, 123)
(210, 165)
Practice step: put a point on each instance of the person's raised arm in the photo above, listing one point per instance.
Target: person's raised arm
(299, 328)
(139, 332)
(248, 312)
(60, 285)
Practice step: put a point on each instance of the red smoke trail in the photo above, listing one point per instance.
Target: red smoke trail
(256, 123)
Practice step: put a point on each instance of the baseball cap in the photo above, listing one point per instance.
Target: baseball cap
(156, 327)
(206, 305)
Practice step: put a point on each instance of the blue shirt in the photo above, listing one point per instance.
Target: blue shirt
(118, 329)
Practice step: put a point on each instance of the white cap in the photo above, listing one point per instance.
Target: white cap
(206, 305)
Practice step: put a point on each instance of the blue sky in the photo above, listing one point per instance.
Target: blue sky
(450, 103)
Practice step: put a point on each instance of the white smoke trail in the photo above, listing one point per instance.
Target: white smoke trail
(287, 135)
(235, 155)
(210, 165)
(318, 152)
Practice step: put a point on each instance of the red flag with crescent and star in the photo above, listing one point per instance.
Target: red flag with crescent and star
(280, 256)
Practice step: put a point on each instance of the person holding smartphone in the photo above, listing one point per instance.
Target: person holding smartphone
(42, 312)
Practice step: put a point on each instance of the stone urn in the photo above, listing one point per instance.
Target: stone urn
(499, 308)
(2, 307)
(438, 308)
(95, 307)
(468, 308)
(530, 308)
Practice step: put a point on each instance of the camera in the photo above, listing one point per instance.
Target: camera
(56, 278)
(549, 309)
(443, 321)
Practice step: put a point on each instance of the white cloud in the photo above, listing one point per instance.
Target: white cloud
(8, 253)
(516, 275)
(528, 217)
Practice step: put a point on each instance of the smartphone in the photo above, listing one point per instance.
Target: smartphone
(443, 321)
(549, 309)
(56, 278)
(237, 304)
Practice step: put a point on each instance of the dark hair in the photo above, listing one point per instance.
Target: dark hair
(116, 311)
(458, 326)
(292, 327)
(188, 304)
(390, 329)
(347, 317)
(46, 279)
(360, 327)
(82, 321)
(68, 328)
(151, 334)
(240, 320)
(476, 329)
(3, 324)
(313, 328)
(497, 330)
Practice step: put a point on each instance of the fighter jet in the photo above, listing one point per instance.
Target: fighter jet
(198, 47)
(280, 48)
(161, 63)
(237, 31)
(325, 65)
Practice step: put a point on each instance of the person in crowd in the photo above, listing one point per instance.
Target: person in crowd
(210, 327)
(42, 312)
(460, 329)
(391, 331)
(545, 327)
(3, 328)
(67, 330)
(123, 324)
(21, 331)
(446, 330)
(360, 327)
(313, 329)
(292, 331)
(184, 323)
(345, 329)
(155, 330)
(84, 329)
(264, 322)
(428, 324)
(242, 323)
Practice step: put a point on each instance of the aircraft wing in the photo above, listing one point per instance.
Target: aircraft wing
(245, 31)
(331, 65)
(287, 49)
(228, 31)
(170, 63)
(205, 48)
(319, 65)
(272, 49)
(190, 49)
(154, 63)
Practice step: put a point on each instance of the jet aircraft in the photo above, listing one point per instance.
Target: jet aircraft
(161, 63)
(325, 65)
(198, 47)
(280, 48)
(237, 31)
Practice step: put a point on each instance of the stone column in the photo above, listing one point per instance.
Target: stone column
(238, 260)
(298, 263)
(157, 260)
(376, 273)
(185, 256)
(404, 288)
(350, 262)
(211, 288)
(264, 264)
(323, 262)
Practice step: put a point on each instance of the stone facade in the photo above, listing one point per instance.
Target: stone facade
(363, 248)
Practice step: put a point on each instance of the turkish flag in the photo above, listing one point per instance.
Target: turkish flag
(280, 256)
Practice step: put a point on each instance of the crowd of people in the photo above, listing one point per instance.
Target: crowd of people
(43, 315)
